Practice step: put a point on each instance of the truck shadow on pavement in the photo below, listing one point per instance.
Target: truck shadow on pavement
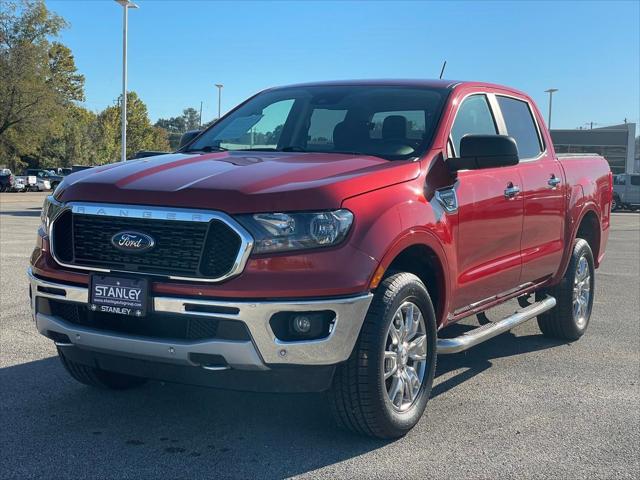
(55, 427)
(478, 359)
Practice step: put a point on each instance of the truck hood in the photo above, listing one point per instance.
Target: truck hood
(237, 182)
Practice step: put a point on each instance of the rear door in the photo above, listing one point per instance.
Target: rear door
(543, 190)
(489, 218)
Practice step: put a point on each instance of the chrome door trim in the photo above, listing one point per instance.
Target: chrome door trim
(158, 213)
(511, 191)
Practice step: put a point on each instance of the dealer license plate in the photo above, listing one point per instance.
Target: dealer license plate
(119, 295)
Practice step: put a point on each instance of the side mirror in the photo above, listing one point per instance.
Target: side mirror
(485, 151)
(187, 137)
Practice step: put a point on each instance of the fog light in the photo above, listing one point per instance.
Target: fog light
(301, 324)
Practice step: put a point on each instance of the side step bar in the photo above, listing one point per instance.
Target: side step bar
(490, 330)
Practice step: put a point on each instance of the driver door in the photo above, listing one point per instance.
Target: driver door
(490, 215)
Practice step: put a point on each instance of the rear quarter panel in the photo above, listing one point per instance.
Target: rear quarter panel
(590, 190)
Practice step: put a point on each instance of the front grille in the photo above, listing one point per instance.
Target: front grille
(182, 248)
(155, 325)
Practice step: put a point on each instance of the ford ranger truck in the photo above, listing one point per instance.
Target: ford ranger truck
(322, 237)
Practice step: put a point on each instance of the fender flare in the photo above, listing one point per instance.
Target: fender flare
(586, 207)
(425, 238)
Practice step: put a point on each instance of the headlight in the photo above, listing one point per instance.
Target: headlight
(284, 232)
(50, 210)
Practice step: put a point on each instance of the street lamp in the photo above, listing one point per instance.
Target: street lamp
(550, 92)
(219, 85)
(126, 4)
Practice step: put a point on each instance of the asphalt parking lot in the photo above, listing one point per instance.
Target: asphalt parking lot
(517, 406)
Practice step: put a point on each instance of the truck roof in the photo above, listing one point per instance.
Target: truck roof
(429, 83)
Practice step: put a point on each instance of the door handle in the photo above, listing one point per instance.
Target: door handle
(511, 191)
(553, 182)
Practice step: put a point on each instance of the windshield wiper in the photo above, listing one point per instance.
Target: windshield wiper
(259, 149)
(290, 148)
(207, 149)
(293, 148)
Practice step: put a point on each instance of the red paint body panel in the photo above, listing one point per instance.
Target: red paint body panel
(489, 246)
(240, 182)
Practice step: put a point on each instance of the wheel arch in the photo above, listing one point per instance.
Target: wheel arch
(419, 253)
(589, 229)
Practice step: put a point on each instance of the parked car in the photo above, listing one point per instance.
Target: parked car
(34, 183)
(626, 191)
(7, 180)
(19, 184)
(45, 175)
(323, 237)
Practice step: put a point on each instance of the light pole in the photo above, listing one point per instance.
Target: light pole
(550, 92)
(219, 85)
(126, 4)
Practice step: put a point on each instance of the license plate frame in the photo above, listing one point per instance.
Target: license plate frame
(117, 295)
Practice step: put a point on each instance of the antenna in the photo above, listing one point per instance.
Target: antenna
(442, 71)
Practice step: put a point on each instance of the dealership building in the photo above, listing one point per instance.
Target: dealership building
(616, 143)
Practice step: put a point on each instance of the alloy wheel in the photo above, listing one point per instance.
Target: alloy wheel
(405, 356)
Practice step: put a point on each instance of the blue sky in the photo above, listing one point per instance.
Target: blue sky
(178, 50)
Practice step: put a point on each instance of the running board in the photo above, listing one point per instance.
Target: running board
(490, 330)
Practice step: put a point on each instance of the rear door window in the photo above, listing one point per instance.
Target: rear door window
(635, 180)
(521, 126)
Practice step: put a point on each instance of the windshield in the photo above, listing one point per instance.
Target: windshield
(392, 122)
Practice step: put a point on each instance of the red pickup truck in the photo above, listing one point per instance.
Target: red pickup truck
(318, 238)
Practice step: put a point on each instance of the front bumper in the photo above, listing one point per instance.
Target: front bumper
(263, 352)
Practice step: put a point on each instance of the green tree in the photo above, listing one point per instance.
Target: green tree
(73, 143)
(191, 118)
(141, 135)
(176, 126)
(38, 79)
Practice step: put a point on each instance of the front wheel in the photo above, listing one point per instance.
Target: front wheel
(574, 295)
(383, 388)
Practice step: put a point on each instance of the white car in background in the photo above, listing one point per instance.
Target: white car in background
(34, 184)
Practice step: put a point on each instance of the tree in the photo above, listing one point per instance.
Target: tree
(191, 118)
(74, 144)
(141, 135)
(38, 78)
(176, 126)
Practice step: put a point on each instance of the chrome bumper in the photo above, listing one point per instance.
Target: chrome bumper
(264, 349)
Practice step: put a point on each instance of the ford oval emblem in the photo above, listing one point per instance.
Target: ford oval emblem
(132, 242)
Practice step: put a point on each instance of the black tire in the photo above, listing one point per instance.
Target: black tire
(561, 322)
(96, 377)
(358, 397)
(615, 203)
(2, 188)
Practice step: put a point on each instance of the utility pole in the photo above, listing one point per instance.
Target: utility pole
(219, 86)
(550, 92)
(126, 4)
(200, 120)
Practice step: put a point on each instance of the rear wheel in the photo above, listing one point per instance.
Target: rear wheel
(574, 296)
(615, 203)
(96, 377)
(383, 389)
